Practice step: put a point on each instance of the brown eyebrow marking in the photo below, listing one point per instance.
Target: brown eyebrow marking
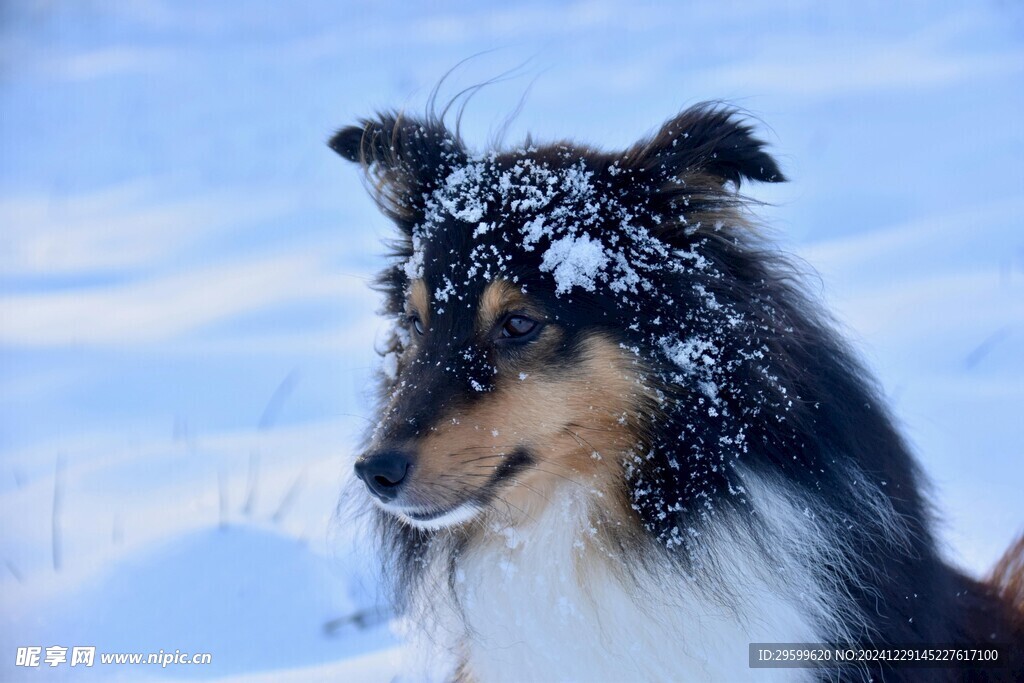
(499, 297)
(419, 300)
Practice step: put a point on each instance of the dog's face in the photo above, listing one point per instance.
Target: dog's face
(497, 399)
(519, 294)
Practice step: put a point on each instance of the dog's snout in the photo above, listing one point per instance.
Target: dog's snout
(384, 472)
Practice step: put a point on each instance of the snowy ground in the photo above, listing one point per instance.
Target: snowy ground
(186, 331)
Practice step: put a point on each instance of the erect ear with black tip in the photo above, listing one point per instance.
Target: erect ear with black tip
(709, 140)
(405, 158)
(348, 142)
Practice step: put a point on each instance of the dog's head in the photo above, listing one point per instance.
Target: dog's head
(539, 295)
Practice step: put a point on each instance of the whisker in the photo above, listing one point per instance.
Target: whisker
(484, 457)
(555, 463)
(589, 428)
(576, 437)
(519, 482)
(509, 504)
(560, 476)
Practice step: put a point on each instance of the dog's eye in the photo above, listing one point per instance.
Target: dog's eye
(518, 327)
(417, 324)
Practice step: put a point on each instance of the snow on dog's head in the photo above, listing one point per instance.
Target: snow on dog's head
(551, 303)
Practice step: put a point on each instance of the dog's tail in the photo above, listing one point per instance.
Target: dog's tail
(1007, 580)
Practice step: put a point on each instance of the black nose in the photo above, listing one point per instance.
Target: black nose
(384, 472)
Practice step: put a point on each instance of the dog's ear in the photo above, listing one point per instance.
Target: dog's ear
(706, 142)
(348, 142)
(403, 158)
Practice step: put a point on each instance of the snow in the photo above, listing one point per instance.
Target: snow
(468, 207)
(559, 207)
(690, 354)
(383, 666)
(574, 262)
(261, 583)
(414, 266)
(533, 230)
(190, 593)
(177, 240)
(389, 365)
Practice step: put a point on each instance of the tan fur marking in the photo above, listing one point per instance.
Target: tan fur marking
(498, 298)
(576, 423)
(419, 300)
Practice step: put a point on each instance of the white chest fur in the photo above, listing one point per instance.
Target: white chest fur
(542, 604)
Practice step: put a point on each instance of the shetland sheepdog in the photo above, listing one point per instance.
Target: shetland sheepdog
(616, 440)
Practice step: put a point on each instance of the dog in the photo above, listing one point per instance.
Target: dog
(617, 442)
